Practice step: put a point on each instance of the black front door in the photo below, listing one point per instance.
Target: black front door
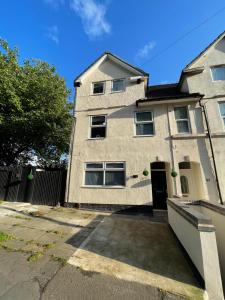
(159, 189)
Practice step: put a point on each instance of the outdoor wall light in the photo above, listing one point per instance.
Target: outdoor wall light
(134, 176)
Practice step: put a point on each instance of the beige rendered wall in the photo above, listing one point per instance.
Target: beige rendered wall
(214, 92)
(202, 249)
(121, 144)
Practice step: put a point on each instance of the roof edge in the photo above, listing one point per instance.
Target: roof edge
(107, 53)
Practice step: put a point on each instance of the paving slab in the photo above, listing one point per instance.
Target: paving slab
(122, 258)
(138, 251)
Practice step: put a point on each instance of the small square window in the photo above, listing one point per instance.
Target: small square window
(218, 73)
(118, 85)
(144, 123)
(98, 127)
(98, 88)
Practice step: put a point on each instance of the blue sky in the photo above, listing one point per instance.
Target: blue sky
(70, 34)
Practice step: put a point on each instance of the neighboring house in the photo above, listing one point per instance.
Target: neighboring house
(125, 127)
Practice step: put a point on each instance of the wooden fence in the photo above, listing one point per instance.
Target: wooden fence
(34, 185)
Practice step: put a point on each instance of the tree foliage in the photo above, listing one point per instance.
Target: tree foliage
(35, 118)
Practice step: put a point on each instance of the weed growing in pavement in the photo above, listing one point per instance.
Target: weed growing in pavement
(22, 218)
(5, 237)
(61, 260)
(55, 232)
(35, 256)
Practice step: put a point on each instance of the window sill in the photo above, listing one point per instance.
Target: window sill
(97, 94)
(102, 187)
(147, 135)
(116, 92)
(188, 136)
(95, 139)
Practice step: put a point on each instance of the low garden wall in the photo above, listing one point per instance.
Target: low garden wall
(216, 212)
(196, 233)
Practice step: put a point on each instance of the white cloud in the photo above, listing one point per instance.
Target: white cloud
(55, 3)
(144, 52)
(53, 33)
(93, 17)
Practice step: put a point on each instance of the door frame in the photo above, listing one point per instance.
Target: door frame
(165, 172)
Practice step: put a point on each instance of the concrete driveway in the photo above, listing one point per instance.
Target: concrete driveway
(62, 253)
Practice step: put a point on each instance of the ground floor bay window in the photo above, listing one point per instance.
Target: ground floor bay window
(105, 174)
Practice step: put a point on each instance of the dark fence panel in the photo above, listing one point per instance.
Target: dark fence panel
(4, 174)
(46, 188)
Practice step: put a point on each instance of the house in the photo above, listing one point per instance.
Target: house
(137, 144)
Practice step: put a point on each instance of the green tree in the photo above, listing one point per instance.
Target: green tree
(35, 117)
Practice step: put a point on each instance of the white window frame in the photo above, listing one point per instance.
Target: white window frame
(222, 117)
(143, 122)
(120, 91)
(104, 170)
(179, 120)
(95, 126)
(92, 88)
(213, 67)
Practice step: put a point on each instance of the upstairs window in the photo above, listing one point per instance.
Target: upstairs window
(222, 111)
(98, 127)
(218, 73)
(144, 123)
(105, 174)
(182, 120)
(98, 88)
(118, 85)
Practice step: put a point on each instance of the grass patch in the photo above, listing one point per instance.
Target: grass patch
(59, 209)
(5, 237)
(59, 259)
(2, 201)
(21, 218)
(48, 246)
(35, 256)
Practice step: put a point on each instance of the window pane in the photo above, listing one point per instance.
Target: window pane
(184, 185)
(144, 116)
(94, 166)
(181, 113)
(158, 165)
(94, 178)
(218, 73)
(98, 120)
(118, 85)
(114, 165)
(185, 165)
(222, 109)
(144, 129)
(98, 88)
(98, 132)
(114, 178)
(182, 127)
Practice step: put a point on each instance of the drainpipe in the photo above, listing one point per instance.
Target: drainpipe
(70, 159)
(212, 150)
(172, 152)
